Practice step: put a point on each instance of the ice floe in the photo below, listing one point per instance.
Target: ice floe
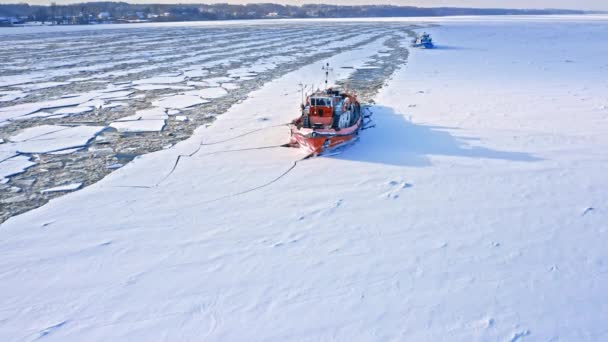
(145, 87)
(11, 95)
(179, 101)
(161, 80)
(73, 110)
(115, 95)
(147, 120)
(115, 104)
(15, 165)
(216, 81)
(230, 86)
(209, 93)
(52, 138)
(12, 112)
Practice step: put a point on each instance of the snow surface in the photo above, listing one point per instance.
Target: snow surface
(474, 210)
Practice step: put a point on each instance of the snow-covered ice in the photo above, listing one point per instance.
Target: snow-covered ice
(73, 110)
(475, 210)
(161, 80)
(11, 95)
(160, 87)
(13, 165)
(51, 138)
(179, 101)
(147, 120)
(211, 93)
(230, 86)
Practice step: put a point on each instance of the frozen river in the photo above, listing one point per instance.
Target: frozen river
(76, 105)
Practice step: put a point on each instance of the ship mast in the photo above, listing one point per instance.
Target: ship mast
(327, 70)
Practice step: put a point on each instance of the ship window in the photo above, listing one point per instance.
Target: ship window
(320, 101)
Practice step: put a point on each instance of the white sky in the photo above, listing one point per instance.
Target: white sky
(568, 4)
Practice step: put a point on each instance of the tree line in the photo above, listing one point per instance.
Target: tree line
(83, 13)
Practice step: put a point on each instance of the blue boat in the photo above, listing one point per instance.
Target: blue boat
(423, 41)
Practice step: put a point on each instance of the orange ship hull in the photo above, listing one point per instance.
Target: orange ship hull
(317, 141)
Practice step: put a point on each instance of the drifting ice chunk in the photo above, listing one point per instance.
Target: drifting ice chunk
(230, 86)
(215, 81)
(115, 94)
(139, 125)
(115, 104)
(145, 87)
(196, 73)
(7, 81)
(15, 165)
(73, 110)
(69, 187)
(210, 93)
(147, 114)
(11, 112)
(49, 138)
(11, 95)
(39, 115)
(179, 101)
(241, 73)
(36, 132)
(161, 80)
(147, 120)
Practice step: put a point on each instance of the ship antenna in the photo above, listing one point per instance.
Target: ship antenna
(327, 70)
(326, 75)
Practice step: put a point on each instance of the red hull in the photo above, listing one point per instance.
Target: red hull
(317, 141)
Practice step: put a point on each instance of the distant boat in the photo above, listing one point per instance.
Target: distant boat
(423, 41)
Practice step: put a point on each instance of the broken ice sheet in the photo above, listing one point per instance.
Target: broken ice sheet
(115, 95)
(179, 101)
(115, 104)
(209, 93)
(212, 82)
(161, 80)
(15, 165)
(230, 86)
(73, 110)
(139, 125)
(146, 87)
(51, 138)
(147, 120)
(196, 73)
(11, 112)
(11, 95)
